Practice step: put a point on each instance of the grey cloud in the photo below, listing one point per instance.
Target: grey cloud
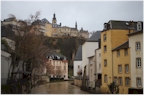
(89, 14)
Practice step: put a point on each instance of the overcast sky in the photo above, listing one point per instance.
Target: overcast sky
(91, 15)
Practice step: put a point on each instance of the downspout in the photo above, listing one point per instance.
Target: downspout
(88, 83)
(112, 67)
(95, 68)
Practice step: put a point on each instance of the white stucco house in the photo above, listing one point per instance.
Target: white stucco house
(77, 62)
(136, 53)
(8, 39)
(91, 70)
(88, 50)
(5, 64)
(98, 63)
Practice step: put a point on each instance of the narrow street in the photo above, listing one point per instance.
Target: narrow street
(58, 88)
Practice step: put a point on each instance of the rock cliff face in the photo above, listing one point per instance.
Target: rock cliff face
(65, 45)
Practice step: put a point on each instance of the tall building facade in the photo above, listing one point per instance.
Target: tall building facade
(113, 35)
(136, 57)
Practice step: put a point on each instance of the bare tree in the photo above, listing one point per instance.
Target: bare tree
(50, 68)
(29, 47)
(12, 16)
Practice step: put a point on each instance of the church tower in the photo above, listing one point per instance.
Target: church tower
(54, 21)
(76, 25)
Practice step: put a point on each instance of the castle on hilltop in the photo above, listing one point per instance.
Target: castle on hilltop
(56, 30)
(48, 29)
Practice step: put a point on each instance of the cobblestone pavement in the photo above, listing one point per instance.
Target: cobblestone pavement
(57, 88)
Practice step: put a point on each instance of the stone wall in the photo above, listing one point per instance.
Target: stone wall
(78, 82)
(45, 78)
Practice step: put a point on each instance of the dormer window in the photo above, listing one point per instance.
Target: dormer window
(105, 26)
(139, 26)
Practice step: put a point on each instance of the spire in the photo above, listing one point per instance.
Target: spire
(54, 17)
(76, 25)
(54, 21)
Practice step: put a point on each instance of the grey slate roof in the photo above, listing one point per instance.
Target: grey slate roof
(37, 22)
(95, 37)
(44, 20)
(122, 46)
(134, 33)
(55, 55)
(78, 56)
(116, 24)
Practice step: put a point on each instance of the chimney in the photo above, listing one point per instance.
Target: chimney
(60, 24)
(132, 24)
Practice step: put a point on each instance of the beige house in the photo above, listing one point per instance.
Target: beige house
(60, 68)
(38, 27)
(58, 65)
(67, 31)
(58, 30)
(136, 53)
(47, 27)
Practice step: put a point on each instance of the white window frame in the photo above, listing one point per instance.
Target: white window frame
(115, 80)
(99, 65)
(105, 62)
(119, 68)
(120, 80)
(104, 37)
(138, 82)
(138, 46)
(127, 81)
(105, 78)
(126, 68)
(138, 62)
(99, 54)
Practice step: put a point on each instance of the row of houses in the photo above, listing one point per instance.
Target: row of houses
(113, 55)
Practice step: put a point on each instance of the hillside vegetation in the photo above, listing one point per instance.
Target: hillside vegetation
(66, 45)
